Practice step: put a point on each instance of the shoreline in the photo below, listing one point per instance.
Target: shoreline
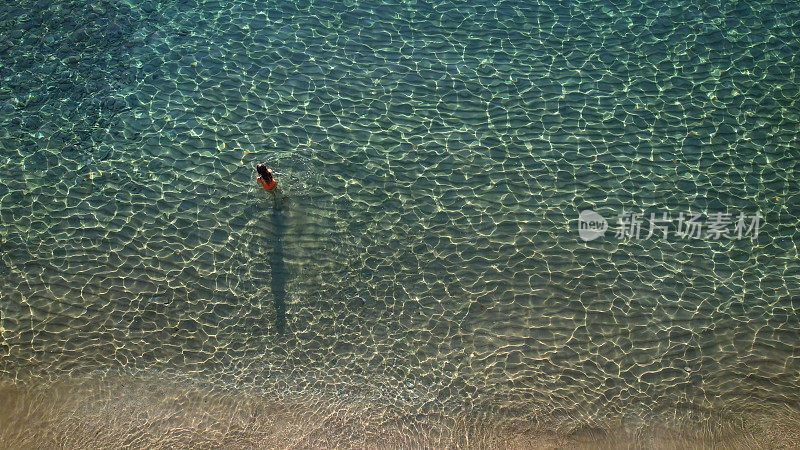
(146, 411)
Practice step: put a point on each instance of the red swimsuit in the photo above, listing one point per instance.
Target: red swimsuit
(268, 186)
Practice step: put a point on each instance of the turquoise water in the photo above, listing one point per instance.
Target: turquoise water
(434, 159)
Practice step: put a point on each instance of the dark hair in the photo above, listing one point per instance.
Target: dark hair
(264, 172)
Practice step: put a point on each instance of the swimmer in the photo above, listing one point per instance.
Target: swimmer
(265, 179)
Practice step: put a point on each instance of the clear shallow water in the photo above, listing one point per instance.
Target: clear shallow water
(435, 158)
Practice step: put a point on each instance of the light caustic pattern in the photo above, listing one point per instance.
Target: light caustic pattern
(435, 158)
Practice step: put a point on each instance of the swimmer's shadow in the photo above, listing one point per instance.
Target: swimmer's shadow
(280, 274)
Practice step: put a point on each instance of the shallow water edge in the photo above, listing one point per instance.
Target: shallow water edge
(151, 411)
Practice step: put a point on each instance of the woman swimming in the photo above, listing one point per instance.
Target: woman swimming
(266, 179)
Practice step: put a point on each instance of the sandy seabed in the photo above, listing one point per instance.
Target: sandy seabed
(144, 412)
